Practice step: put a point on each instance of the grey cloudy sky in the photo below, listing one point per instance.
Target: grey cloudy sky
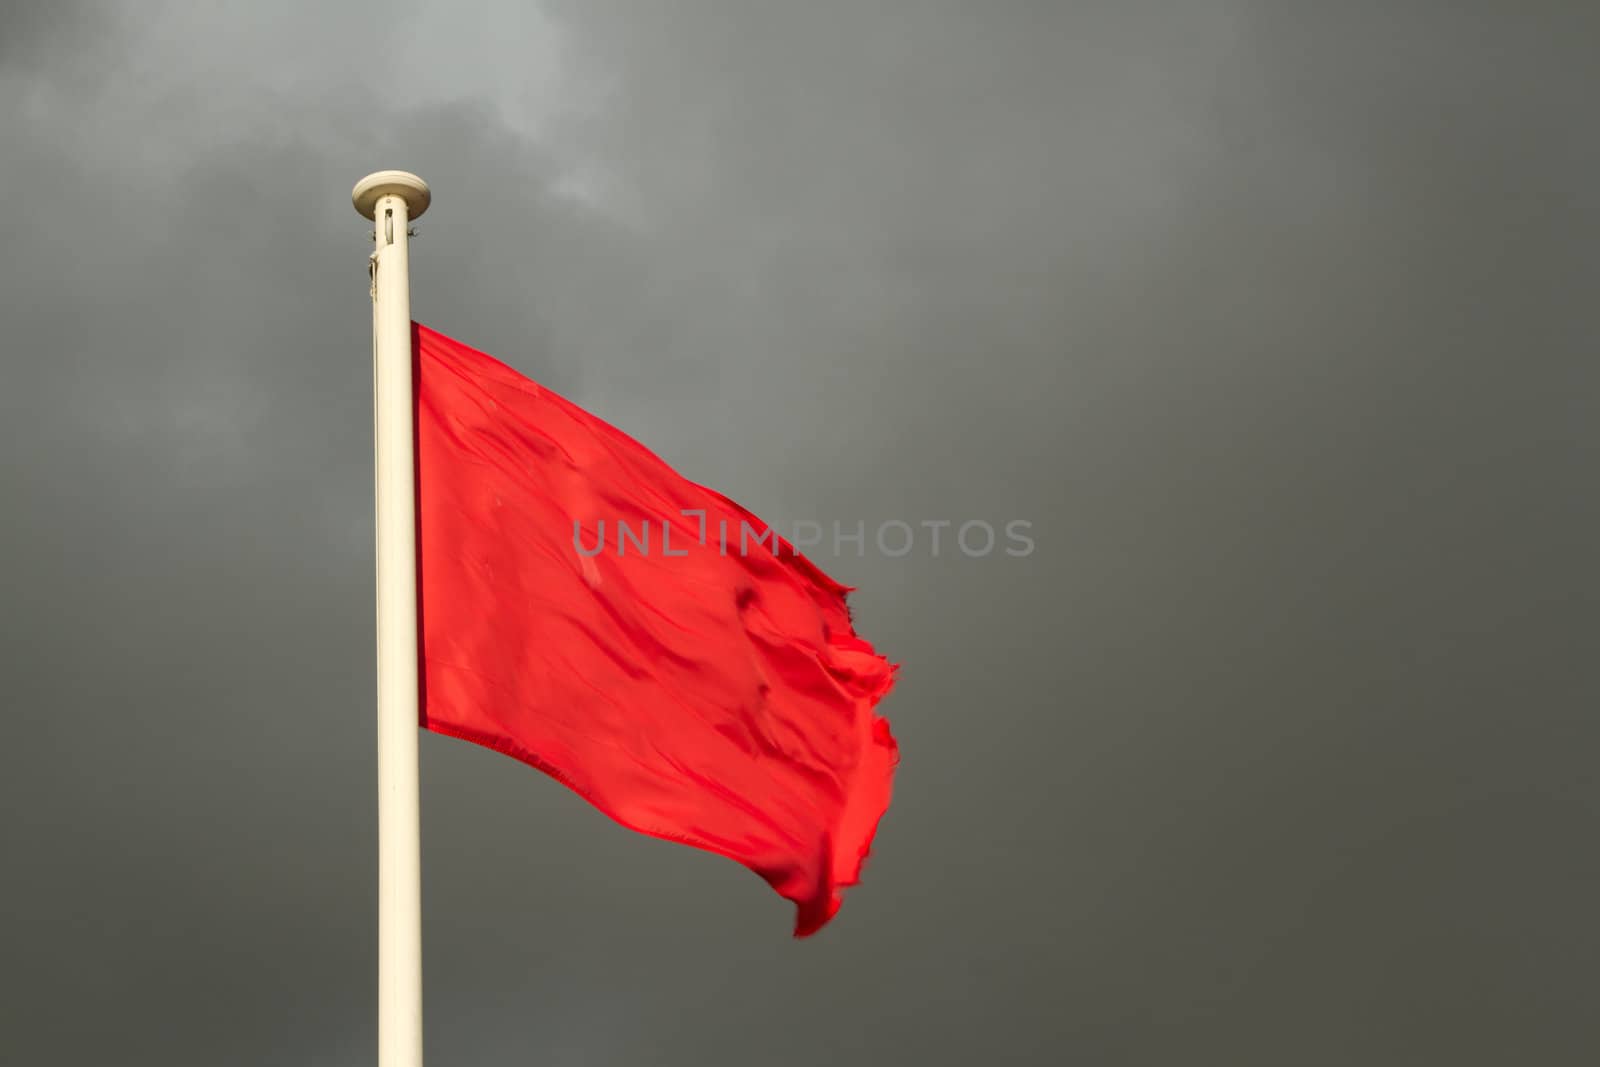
(1275, 319)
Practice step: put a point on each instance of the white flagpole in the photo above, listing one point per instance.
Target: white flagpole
(392, 198)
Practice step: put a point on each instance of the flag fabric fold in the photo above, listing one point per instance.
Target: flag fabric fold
(640, 638)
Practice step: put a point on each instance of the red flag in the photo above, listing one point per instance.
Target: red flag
(589, 611)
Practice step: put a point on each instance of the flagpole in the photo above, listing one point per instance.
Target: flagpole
(393, 198)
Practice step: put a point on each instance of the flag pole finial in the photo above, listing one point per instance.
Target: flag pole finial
(407, 186)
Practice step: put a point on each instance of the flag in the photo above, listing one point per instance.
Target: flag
(640, 638)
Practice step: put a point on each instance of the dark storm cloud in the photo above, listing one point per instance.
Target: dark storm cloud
(1273, 322)
(32, 29)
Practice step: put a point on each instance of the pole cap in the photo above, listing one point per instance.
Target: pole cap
(407, 186)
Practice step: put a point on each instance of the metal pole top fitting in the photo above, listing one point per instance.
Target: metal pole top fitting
(407, 186)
